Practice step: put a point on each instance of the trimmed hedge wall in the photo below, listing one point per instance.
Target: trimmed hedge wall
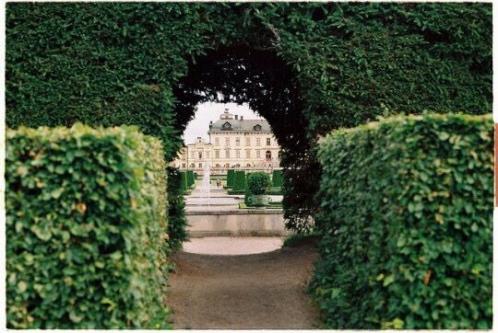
(406, 218)
(190, 178)
(230, 178)
(177, 221)
(239, 181)
(86, 229)
(183, 181)
(277, 178)
(323, 65)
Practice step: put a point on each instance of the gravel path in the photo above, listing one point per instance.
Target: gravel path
(258, 291)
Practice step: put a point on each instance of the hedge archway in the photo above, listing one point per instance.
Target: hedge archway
(261, 79)
(346, 63)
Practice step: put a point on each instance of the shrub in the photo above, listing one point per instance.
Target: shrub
(190, 178)
(68, 62)
(177, 222)
(183, 181)
(277, 178)
(258, 183)
(230, 178)
(86, 228)
(406, 218)
(239, 181)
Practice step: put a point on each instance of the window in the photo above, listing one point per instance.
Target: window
(184, 165)
(237, 153)
(258, 155)
(248, 141)
(268, 141)
(192, 154)
(237, 141)
(268, 155)
(217, 141)
(227, 126)
(248, 153)
(227, 153)
(257, 127)
(200, 155)
(192, 165)
(227, 141)
(258, 141)
(200, 165)
(217, 154)
(208, 153)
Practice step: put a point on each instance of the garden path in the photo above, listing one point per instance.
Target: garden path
(259, 291)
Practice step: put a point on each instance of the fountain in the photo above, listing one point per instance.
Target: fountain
(206, 183)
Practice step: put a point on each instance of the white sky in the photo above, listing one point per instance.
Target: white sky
(206, 112)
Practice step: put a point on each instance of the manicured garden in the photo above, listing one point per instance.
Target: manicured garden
(403, 206)
(406, 222)
(256, 187)
(86, 228)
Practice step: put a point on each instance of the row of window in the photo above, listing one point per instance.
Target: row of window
(227, 154)
(237, 141)
(237, 154)
(226, 165)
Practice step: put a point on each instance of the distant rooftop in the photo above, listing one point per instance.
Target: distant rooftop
(231, 122)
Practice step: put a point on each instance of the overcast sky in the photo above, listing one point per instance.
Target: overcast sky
(212, 111)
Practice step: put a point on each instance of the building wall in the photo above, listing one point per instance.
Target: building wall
(231, 150)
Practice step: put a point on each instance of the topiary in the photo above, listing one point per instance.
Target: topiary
(258, 183)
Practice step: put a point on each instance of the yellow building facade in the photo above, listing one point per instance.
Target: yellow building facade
(234, 143)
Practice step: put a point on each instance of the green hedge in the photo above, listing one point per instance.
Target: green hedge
(190, 178)
(406, 218)
(323, 65)
(258, 183)
(86, 229)
(177, 221)
(183, 181)
(277, 178)
(239, 183)
(230, 178)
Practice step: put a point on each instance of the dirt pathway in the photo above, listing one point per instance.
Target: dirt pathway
(243, 292)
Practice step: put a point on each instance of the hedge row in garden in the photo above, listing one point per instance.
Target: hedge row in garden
(406, 217)
(323, 65)
(277, 178)
(230, 178)
(177, 221)
(187, 180)
(190, 178)
(86, 228)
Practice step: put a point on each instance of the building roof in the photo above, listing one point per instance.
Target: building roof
(237, 125)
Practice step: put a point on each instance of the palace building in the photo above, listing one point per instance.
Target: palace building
(234, 143)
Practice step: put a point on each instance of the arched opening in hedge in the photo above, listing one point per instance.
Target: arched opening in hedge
(260, 78)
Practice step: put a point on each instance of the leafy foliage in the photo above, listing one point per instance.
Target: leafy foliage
(177, 221)
(183, 182)
(323, 65)
(190, 178)
(86, 228)
(406, 219)
(258, 183)
(230, 177)
(239, 183)
(277, 178)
